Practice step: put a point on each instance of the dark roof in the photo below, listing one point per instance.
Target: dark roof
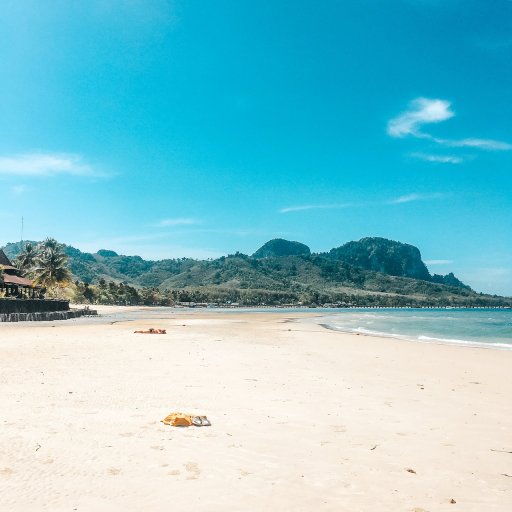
(11, 274)
(16, 280)
(4, 260)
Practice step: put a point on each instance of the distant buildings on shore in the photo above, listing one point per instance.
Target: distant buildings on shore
(12, 284)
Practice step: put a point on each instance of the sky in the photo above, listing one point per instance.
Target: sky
(194, 128)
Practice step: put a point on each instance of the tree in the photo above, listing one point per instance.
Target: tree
(26, 260)
(49, 244)
(51, 270)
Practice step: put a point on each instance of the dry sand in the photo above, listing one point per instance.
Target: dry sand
(304, 419)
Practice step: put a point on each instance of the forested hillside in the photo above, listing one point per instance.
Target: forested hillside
(373, 271)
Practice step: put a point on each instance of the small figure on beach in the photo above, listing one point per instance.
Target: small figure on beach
(152, 331)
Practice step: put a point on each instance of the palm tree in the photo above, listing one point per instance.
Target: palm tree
(26, 260)
(51, 268)
(49, 244)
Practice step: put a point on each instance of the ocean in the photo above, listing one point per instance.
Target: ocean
(483, 327)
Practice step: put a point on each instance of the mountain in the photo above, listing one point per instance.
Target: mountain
(382, 255)
(450, 280)
(373, 271)
(278, 247)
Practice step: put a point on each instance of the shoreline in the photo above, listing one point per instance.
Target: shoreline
(122, 314)
(319, 313)
(434, 341)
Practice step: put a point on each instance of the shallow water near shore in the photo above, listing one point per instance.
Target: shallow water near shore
(484, 327)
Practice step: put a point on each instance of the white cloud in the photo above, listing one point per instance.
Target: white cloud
(165, 223)
(438, 262)
(443, 159)
(427, 111)
(45, 164)
(421, 111)
(409, 198)
(399, 200)
(289, 209)
(489, 144)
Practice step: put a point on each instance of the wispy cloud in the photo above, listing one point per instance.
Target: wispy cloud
(165, 223)
(489, 144)
(409, 198)
(301, 208)
(46, 164)
(438, 262)
(424, 111)
(421, 111)
(442, 159)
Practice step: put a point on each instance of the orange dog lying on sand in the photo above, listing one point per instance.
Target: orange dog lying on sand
(152, 331)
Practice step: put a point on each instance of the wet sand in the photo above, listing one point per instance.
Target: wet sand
(304, 418)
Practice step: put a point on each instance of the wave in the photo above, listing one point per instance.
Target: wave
(466, 342)
(364, 331)
(421, 338)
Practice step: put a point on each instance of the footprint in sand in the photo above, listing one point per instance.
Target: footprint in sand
(126, 434)
(339, 428)
(113, 471)
(158, 447)
(6, 472)
(174, 472)
(193, 470)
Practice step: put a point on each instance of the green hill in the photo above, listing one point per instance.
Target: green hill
(279, 247)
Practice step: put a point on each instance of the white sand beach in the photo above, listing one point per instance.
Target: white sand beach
(303, 418)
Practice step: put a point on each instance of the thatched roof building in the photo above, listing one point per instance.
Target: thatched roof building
(11, 279)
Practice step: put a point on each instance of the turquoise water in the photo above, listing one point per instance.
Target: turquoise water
(491, 327)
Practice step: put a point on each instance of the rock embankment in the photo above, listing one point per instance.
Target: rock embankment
(47, 316)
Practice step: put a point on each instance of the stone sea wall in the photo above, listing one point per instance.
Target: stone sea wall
(47, 316)
(8, 306)
(38, 310)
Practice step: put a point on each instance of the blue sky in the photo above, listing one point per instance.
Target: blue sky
(194, 128)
